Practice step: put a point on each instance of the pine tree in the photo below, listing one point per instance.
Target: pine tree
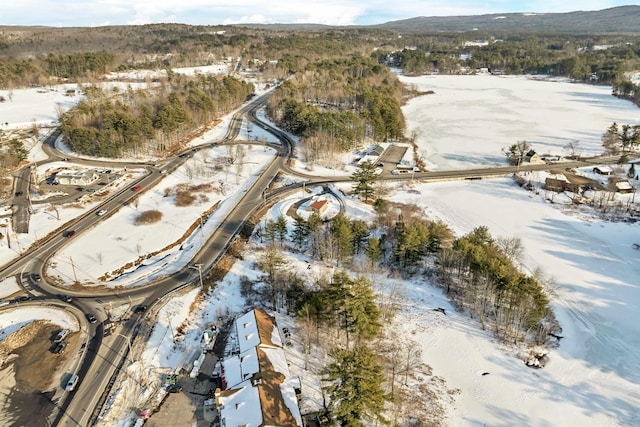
(363, 314)
(270, 231)
(272, 263)
(343, 236)
(356, 386)
(360, 234)
(281, 229)
(373, 250)
(300, 231)
(365, 177)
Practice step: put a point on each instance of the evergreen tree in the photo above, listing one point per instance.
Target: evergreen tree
(270, 231)
(363, 314)
(374, 250)
(281, 229)
(360, 233)
(300, 231)
(631, 173)
(343, 236)
(365, 177)
(356, 386)
(272, 263)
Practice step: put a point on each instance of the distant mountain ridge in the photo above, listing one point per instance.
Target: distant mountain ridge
(615, 20)
(621, 19)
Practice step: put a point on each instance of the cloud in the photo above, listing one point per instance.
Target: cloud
(212, 12)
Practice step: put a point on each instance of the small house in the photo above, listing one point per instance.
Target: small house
(532, 157)
(621, 185)
(603, 170)
(560, 184)
(319, 206)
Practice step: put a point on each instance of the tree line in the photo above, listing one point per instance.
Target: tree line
(479, 275)
(621, 138)
(626, 89)
(579, 57)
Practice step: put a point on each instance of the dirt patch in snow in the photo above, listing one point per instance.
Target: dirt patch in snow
(28, 392)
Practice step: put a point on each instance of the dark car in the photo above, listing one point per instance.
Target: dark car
(91, 318)
(58, 347)
(174, 388)
(65, 298)
(69, 233)
(18, 193)
(140, 308)
(36, 277)
(23, 298)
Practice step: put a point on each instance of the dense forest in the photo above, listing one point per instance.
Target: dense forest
(335, 105)
(337, 91)
(154, 121)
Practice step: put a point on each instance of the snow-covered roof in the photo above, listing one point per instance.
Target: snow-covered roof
(258, 378)
(603, 169)
(623, 185)
(240, 367)
(257, 328)
(239, 406)
(371, 158)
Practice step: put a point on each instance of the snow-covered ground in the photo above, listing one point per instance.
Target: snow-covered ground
(12, 320)
(122, 242)
(592, 378)
(468, 120)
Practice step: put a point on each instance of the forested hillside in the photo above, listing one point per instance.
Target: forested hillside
(338, 90)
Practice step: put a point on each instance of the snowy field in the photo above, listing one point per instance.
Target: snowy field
(470, 119)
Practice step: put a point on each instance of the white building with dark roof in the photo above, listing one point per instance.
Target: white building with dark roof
(72, 177)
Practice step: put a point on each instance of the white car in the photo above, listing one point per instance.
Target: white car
(101, 212)
(61, 335)
(72, 383)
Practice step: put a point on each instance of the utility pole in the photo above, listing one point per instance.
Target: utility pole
(130, 357)
(173, 336)
(73, 267)
(199, 268)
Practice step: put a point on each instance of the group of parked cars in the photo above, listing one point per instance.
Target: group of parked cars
(59, 342)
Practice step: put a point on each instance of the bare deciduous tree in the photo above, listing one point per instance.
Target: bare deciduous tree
(573, 148)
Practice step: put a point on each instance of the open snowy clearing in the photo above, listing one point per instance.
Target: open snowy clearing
(469, 119)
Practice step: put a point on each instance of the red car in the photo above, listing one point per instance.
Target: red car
(136, 188)
(69, 233)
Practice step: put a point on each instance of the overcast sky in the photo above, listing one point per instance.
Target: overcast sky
(66, 13)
